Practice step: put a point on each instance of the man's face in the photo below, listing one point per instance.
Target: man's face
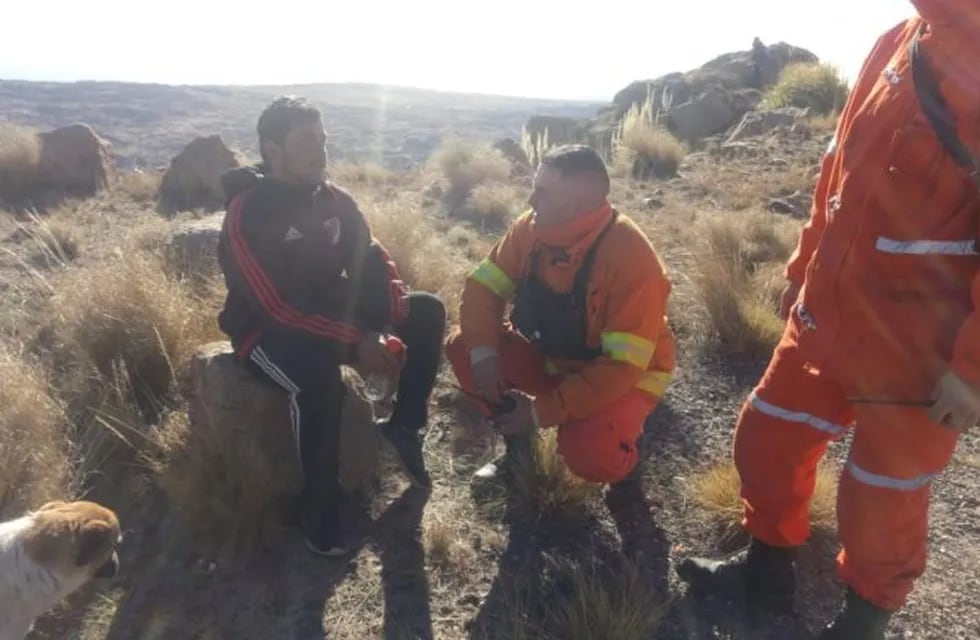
(557, 199)
(302, 158)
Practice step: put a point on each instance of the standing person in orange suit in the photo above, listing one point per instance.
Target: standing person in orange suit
(588, 349)
(883, 332)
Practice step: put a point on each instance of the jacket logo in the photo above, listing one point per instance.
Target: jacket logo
(332, 227)
(292, 234)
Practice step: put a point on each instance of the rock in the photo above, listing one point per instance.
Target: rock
(757, 123)
(510, 149)
(653, 203)
(193, 247)
(74, 161)
(249, 418)
(193, 180)
(709, 113)
(797, 204)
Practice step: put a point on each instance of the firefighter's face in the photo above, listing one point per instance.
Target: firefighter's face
(557, 199)
(302, 157)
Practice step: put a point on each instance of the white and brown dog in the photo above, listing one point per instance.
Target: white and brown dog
(49, 553)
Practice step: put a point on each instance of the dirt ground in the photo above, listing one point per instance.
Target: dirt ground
(435, 565)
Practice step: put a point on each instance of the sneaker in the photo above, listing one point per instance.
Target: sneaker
(323, 532)
(408, 446)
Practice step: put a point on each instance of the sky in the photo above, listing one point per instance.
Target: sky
(528, 48)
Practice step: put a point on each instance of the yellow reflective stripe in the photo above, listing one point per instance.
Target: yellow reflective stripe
(655, 382)
(627, 347)
(493, 277)
(551, 368)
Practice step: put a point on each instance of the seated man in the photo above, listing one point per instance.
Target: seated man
(588, 348)
(309, 289)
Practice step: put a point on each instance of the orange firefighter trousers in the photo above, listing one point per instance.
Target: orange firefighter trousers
(598, 448)
(781, 435)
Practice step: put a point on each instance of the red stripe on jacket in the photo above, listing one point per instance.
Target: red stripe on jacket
(266, 293)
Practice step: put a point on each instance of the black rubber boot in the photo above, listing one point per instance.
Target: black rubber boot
(858, 620)
(763, 573)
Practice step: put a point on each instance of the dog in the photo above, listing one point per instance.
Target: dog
(48, 554)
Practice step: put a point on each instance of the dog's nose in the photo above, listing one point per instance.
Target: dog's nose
(110, 568)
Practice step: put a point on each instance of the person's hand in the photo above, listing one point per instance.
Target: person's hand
(788, 298)
(374, 357)
(520, 419)
(488, 378)
(956, 403)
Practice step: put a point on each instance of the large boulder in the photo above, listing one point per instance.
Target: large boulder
(757, 123)
(193, 180)
(251, 415)
(74, 161)
(193, 247)
(709, 113)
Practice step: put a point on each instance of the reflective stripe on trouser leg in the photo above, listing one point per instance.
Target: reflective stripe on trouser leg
(259, 357)
(781, 435)
(883, 501)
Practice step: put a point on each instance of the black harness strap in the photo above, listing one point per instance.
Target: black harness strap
(942, 120)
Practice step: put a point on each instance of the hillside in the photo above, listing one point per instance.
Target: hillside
(148, 124)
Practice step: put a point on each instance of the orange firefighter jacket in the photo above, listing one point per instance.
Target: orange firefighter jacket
(889, 259)
(626, 311)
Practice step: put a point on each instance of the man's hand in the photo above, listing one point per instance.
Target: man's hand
(788, 298)
(488, 378)
(519, 420)
(956, 403)
(374, 357)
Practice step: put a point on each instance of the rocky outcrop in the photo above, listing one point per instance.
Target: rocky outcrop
(193, 180)
(759, 123)
(74, 161)
(702, 102)
(193, 247)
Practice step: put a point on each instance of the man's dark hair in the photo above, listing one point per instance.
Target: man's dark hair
(576, 159)
(283, 114)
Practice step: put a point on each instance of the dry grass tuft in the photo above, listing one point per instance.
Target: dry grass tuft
(20, 155)
(741, 314)
(643, 148)
(362, 174)
(139, 186)
(129, 328)
(444, 549)
(466, 165)
(718, 491)
(577, 600)
(34, 443)
(424, 257)
(493, 205)
(606, 603)
(54, 239)
(544, 487)
(816, 86)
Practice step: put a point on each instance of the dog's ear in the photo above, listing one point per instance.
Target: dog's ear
(94, 540)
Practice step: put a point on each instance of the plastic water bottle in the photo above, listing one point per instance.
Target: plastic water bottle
(379, 387)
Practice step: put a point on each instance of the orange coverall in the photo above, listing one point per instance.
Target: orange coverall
(888, 265)
(599, 406)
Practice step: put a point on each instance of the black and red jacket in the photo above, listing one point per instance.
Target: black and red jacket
(292, 256)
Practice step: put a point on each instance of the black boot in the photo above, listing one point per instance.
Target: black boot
(858, 620)
(763, 573)
(500, 469)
